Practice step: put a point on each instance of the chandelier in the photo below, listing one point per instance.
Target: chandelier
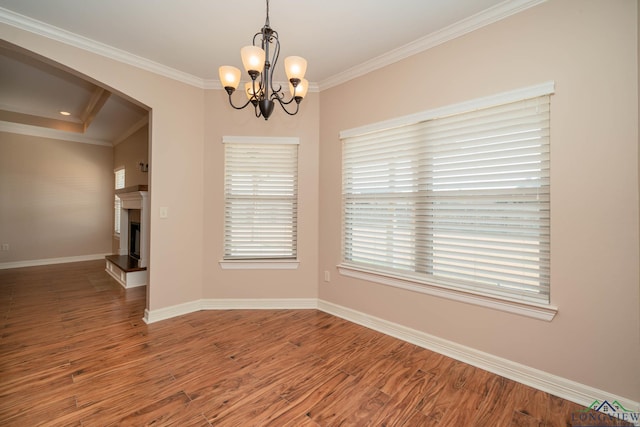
(260, 91)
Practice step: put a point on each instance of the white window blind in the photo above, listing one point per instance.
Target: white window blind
(459, 202)
(261, 198)
(119, 183)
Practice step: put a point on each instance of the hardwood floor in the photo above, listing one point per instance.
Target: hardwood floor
(75, 352)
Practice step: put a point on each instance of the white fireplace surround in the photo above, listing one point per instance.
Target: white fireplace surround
(132, 198)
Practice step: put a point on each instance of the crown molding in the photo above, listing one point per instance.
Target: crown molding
(460, 28)
(54, 33)
(41, 132)
(482, 19)
(212, 84)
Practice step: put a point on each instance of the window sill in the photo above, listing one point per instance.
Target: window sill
(523, 308)
(254, 264)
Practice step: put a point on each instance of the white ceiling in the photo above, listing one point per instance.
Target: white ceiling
(189, 39)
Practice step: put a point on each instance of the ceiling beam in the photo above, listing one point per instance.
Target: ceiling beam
(28, 119)
(95, 104)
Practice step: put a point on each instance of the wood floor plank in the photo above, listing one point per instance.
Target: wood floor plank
(316, 391)
(32, 390)
(496, 408)
(331, 409)
(402, 406)
(75, 352)
(37, 412)
(158, 412)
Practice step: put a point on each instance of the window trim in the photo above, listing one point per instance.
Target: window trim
(261, 263)
(116, 232)
(275, 264)
(531, 309)
(524, 308)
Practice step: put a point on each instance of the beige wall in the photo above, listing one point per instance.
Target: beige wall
(128, 154)
(224, 121)
(55, 198)
(589, 49)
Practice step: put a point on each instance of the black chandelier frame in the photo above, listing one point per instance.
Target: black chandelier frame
(263, 95)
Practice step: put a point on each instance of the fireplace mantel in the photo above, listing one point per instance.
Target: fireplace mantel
(132, 189)
(133, 197)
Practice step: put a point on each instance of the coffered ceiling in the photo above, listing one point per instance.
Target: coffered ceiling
(36, 92)
(189, 39)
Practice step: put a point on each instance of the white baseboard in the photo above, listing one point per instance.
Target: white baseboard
(544, 381)
(229, 304)
(260, 304)
(566, 389)
(49, 261)
(151, 316)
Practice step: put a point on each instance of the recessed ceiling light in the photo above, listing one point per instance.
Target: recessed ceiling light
(65, 113)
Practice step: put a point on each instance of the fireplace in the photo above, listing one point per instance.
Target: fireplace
(129, 265)
(134, 240)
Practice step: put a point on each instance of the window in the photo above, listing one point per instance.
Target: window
(454, 199)
(119, 183)
(261, 198)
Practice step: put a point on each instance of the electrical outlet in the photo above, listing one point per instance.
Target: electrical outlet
(5, 246)
(327, 276)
